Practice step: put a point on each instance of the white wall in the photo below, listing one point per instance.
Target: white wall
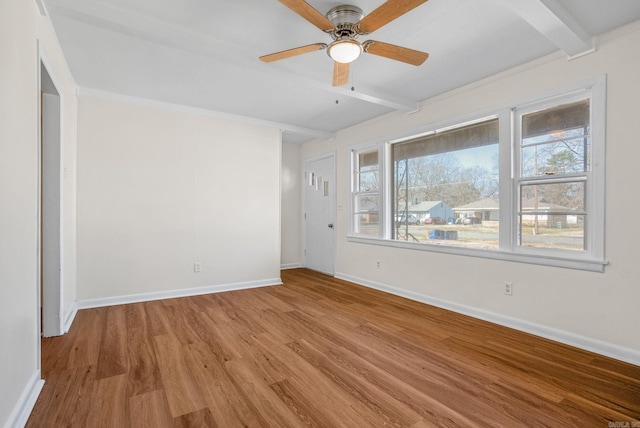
(291, 206)
(597, 306)
(159, 190)
(21, 27)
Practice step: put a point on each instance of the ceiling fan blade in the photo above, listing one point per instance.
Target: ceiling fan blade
(398, 53)
(340, 73)
(293, 52)
(306, 11)
(386, 13)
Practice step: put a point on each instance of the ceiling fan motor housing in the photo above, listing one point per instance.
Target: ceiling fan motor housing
(344, 14)
(345, 18)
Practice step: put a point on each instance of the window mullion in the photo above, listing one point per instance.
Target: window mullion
(507, 187)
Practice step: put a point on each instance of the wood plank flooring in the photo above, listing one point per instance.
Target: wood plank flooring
(319, 352)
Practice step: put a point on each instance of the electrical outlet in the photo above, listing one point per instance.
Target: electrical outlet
(197, 267)
(508, 288)
(378, 264)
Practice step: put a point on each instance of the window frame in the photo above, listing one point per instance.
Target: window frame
(355, 188)
(592, 258)
(593, 177)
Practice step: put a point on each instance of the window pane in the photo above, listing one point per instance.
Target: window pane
(366, 197)
(555, 197)
(368, 181)
(367, 214)
(446, 187)
(553, 215)
(567, 235)
(367, 172)
(565, 156)
(556, 141)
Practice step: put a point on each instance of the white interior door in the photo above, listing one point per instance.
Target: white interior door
(319, 214)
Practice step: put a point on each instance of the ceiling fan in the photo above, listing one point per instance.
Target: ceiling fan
(345, 23)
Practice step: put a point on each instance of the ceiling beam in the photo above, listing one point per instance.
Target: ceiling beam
(146, 28)
(555, 23)
(375, 97)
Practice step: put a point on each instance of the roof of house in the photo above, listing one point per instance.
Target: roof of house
(425, 205)
(494, 204)
(482, 204)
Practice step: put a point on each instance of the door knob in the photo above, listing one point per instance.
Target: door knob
(330, 225)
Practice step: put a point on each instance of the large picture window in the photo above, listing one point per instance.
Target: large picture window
(525, 183)
(445, 187)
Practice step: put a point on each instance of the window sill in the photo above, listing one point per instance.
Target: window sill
(519, 257)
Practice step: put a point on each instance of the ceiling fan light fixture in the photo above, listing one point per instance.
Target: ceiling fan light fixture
(345, 51)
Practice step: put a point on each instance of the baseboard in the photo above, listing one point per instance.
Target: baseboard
(71, 315)
(588, 344)
(28, 398)
(172, 294)
(291, 266)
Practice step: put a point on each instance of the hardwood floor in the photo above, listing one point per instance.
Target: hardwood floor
(320, 352)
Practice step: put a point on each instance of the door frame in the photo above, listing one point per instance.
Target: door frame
(50, 291)
(332, 155)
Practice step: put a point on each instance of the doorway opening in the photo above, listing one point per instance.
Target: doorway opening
(50, 205)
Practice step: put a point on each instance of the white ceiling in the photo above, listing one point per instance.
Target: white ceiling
(204, 53)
